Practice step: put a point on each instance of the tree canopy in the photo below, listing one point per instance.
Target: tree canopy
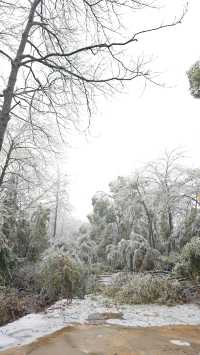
(61, 54)
(194, 79)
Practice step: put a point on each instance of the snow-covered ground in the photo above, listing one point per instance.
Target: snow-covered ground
(33, 326)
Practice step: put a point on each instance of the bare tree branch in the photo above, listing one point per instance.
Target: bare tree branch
(62, 53)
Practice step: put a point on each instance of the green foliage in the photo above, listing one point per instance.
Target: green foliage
(87, 250)
(11, 305)
(103, 228)
(164, 226)
(23, 243)
(15, 304)
(59, 277)
(159, 203)
(7, 263)
(189, 263)
(144, 289)
(9, 211)
(194, 79)
(133, 254)
(182, 269)
(190, 226)
(22, 236)
(126, 204)
(38, 238)
(38, 284)
(169, 261)
(25, 276)
(99, 269)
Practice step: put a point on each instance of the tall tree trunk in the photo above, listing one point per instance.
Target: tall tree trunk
(170, 241)
(149, 218)
(56, 215)
(15, 65)
(57, 204)
(6, 164)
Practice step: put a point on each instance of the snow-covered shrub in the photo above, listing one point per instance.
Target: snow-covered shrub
(189, 263)
(7, 261)
(125, 254)
(144, 289)
(182, 269)
(25, 276)
(114, 257)
(15, 304)
(99, 268)
(146, 258)
(59, 277)
(23, 239)
(169, 261)
(133, 255)
(87, 250)
(120, 279)
(38, 238)
(194, 79)
(152, 260)
(11, 306)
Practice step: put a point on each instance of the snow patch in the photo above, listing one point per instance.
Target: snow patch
(180, 343)
(61, 314)
(6, 341)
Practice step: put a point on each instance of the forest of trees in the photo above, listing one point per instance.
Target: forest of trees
(154, 212)
(57, 58)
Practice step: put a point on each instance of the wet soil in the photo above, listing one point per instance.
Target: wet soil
(115, 340)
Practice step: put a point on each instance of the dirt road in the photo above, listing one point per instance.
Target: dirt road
(115, 340)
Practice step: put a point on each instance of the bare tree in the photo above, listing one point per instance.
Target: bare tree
(23, 156)
(62, 53)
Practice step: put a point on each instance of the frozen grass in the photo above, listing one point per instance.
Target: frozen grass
(144, 289)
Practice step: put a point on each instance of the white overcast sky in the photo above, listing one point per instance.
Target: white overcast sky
(136, 126)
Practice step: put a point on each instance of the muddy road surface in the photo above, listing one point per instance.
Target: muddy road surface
(115, 340)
